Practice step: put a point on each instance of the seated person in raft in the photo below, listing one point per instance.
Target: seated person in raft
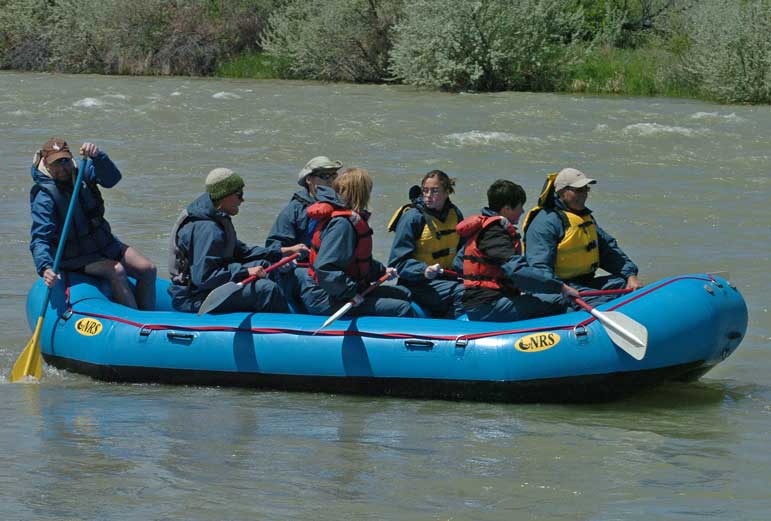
(292, 226)
(495, 273)
(564, 241)
(425, 245)
(205, 253)
(90, 246)
(341, 260)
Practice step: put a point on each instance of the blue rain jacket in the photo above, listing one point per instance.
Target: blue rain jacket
(408, 230)
(547, 230)
(338, 243)
(203, 239)
(90, 237)
(292, 225)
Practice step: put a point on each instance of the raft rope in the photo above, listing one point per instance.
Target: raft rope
(341, 332)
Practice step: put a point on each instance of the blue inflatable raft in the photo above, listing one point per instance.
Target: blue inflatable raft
(693, 323)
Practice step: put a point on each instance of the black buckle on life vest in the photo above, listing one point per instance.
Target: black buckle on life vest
(592, 245)
(441, 253)
(585, 224)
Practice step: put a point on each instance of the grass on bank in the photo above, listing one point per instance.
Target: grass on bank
(628, 72)
(625, 72)
(259, 65)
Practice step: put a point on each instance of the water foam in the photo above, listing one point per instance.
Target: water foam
(225, 95)
(654, 129)
(89, 103)
(732, 117)
(477, 137)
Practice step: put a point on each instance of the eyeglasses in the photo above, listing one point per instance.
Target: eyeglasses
(433, 190)
(325, 176)
(583, 190)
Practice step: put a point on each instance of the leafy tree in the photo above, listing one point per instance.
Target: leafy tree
(485, 45)
(333, 39)
(729, 57)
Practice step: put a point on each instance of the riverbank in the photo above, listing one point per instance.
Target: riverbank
(606, 71)
(683, 184)
(714, 50)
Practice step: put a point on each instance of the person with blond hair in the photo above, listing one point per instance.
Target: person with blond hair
(341, 254)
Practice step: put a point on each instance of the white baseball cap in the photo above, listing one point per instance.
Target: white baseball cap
(572, 178)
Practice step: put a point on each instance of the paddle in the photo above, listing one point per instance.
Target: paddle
(29, 362)
(629, 335)
(343, 310)
(220, 294)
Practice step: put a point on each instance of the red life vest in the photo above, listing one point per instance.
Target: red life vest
(479, 270)
(358, 268)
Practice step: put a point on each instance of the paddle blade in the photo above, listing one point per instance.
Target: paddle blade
(628, 334)
(29, 362)
(339, 313)
(218, 296)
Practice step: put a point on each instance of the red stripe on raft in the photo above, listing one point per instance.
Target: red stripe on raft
(277, 331)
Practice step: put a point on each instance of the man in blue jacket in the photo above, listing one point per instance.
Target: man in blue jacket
(563, 239)
(205, 253)
(90, 246)
(292, 225)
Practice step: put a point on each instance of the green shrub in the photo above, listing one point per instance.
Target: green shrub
(24, 45)
(627, 23)
(485, 45)
(729, 56)
(344, 40)
(137, 37)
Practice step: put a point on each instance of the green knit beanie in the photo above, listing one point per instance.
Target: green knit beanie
(221, 182)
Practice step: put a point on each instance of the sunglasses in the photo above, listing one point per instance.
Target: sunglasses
(325, 176)
(61, 162)
(582, 190)
(240, 194)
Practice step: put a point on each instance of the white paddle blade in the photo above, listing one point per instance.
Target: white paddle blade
(628, 334)
(218, 296)
(339, 313)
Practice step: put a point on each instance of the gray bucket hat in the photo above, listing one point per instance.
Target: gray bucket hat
(317, 163)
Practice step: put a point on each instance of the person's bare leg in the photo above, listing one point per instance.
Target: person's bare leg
(116, 274)
(145, 273)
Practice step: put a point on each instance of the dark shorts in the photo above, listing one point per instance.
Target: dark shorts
(114, 252)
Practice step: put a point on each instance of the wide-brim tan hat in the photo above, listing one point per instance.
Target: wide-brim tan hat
(317, 163)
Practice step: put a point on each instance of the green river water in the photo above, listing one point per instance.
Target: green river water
(683, 184)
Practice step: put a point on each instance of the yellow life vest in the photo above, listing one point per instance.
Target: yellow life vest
(438, 241)
(577, 252)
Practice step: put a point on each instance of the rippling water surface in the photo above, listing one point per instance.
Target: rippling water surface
(684, 185)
